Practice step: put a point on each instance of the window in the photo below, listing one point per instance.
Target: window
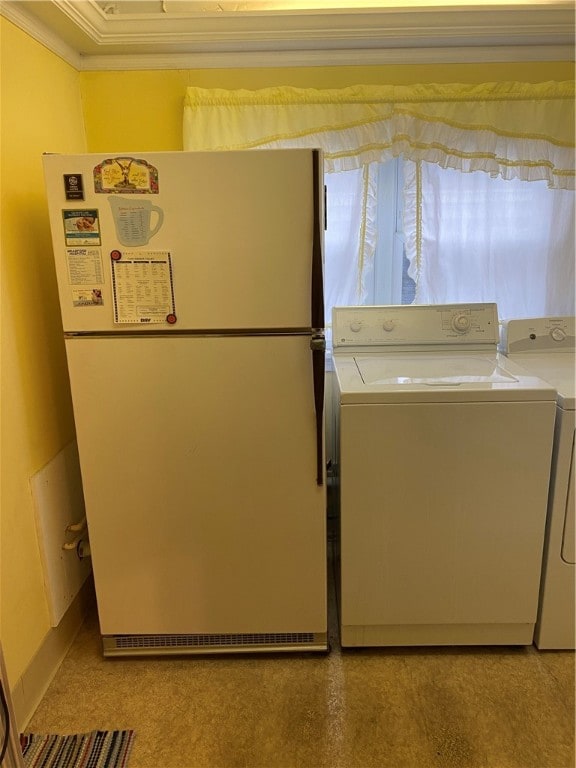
(392, 283)
(437, 235)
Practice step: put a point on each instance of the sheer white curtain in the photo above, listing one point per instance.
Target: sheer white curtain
(351, 235)
(471, 237)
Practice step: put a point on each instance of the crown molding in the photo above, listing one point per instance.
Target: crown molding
(551, 23)
(280, 59)
(19, 16)
(88, 39)
(86, 16)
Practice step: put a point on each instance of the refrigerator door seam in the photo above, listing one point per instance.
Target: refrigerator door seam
(201, 333)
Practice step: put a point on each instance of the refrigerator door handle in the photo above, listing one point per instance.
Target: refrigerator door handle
(317, 341)
(318, 347)
(317, 258)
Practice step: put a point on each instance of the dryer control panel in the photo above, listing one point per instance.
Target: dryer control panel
(538, 334)
(415, 325)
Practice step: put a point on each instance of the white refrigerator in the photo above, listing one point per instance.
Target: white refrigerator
(190, 288)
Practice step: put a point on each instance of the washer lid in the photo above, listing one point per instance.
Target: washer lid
(435, 377)
(558, 369)
(433, 371)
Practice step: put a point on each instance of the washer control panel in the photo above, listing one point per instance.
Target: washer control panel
(420, 324)
(538, 334)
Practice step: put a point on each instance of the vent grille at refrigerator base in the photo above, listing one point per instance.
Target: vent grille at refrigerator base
(157, 645)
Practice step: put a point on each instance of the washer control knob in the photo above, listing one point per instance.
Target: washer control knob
(388, 325)
(558, 334)
(461, 323)
(355, 326)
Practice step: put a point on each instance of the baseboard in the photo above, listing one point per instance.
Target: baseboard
(28, 691)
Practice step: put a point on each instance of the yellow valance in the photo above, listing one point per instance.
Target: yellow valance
(512, 130)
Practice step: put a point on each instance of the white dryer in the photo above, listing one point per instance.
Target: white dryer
(545, 347)
(443, 470)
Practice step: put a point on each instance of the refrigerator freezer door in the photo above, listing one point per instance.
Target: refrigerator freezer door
(199, 471)
(240, 229)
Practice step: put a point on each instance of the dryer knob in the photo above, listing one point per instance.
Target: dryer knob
(461, 323)
(356, 326)
(557, 334)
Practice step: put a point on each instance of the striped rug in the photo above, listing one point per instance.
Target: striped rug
(98, 749)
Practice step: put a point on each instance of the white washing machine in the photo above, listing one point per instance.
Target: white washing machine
(443, 470)
(545, 347)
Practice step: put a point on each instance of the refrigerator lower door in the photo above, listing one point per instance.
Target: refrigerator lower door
(207, 525)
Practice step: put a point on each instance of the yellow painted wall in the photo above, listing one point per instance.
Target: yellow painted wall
(140, 110)
(41, 111)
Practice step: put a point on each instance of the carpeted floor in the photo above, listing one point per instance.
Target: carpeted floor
(371, 708)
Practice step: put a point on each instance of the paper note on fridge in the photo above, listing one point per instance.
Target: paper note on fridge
(142, 288)
(136, 221)
(84, 266)
(81, 226)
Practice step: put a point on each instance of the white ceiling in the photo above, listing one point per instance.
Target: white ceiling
(162, 34)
